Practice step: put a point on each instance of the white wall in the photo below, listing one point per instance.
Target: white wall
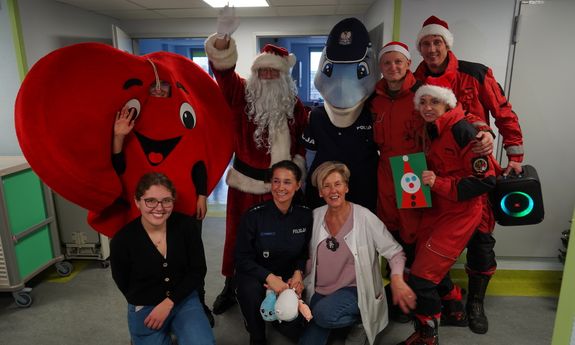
(245, 36)
(482, 29)
(49, 25)
(46, 26)
(380, 11)
(10, 82)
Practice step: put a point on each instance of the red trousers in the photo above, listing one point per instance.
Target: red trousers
(444, 234)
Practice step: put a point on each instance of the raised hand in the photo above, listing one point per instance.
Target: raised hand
(124, 121)
(227, 21)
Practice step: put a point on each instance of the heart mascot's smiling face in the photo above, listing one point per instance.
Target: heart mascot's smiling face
(65, 113)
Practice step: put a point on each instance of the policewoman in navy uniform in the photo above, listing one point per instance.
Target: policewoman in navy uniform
(272, 249)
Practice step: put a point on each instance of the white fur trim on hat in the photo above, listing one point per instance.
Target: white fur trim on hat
(435, 29)
(442, 93)
(393, 48)
(269, 60)
(221, 59)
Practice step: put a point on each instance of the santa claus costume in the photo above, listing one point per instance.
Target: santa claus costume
(266, 133)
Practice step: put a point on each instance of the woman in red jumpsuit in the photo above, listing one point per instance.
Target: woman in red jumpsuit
(457, 178)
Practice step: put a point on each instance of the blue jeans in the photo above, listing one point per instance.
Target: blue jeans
(186, 320)
(337, 310)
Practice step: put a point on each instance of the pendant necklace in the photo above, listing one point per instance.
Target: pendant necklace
(159, 241)
(331, 243)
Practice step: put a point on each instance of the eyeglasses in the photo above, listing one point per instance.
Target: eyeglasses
(153, 203)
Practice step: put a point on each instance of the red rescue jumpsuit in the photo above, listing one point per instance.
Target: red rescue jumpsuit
(479, 93)
(462, 177)
(397, 129)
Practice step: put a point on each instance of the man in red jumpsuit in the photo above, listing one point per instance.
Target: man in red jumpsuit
(270, 120)
(457, 178)
(397, 130)
(480, 94)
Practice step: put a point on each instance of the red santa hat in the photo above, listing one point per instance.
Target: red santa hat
(394, 46)
(274, 57)
(435, 26)
(439, 88)
(406, 165)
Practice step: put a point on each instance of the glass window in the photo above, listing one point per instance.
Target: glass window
(199, 57)
(314, 58)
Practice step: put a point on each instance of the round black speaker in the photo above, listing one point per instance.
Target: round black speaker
(517, 204)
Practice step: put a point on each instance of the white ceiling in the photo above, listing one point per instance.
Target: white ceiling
(166, 9)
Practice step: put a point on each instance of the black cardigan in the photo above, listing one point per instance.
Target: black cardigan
(142, 273)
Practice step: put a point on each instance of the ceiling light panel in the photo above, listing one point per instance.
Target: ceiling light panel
(237, 3)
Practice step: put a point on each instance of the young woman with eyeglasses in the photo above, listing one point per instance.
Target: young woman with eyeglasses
(343, 276)
(158, 263)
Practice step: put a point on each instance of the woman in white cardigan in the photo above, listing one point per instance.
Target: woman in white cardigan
(343, 283)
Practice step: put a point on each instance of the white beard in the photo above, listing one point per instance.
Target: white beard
(269, 104)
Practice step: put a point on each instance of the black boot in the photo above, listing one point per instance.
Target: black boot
(475, 311)
(207, 311)
(227, 298)
(453, 314)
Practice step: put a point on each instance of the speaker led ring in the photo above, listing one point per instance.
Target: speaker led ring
(521, 213)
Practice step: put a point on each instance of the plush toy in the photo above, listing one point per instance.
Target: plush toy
(284, 307)
(65, 113)
(268, 306)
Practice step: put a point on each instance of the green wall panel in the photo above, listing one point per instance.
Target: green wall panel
(34, 251)
(24, 200)
(564, 319)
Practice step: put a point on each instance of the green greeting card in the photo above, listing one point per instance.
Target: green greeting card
(409, 191)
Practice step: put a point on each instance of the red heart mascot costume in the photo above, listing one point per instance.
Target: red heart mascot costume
(65, 114)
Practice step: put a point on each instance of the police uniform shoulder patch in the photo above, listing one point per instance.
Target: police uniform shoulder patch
(257, 207)
(302, 207)
(479, 165)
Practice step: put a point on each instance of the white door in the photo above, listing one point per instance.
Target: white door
(122, 40)
(541, 91)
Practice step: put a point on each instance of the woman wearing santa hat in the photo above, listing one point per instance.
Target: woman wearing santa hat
(479, 94)
(457, 177)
